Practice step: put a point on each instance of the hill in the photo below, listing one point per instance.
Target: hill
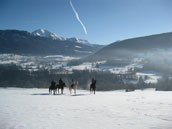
(130, 48)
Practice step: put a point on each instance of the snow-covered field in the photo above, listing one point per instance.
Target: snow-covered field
(36, 109)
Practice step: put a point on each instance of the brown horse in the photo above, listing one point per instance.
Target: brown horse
(60, 87)
(93, 87)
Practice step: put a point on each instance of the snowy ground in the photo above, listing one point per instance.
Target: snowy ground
(36, 109)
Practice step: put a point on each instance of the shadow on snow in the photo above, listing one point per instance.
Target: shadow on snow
(79, 94)
(45, 94)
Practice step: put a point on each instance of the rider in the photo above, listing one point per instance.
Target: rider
(53, 83)
(92, 81)
(60, 81)
(95, 82)
(72, 83)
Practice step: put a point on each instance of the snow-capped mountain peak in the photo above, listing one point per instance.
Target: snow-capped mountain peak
(42, 30)
(46, 33)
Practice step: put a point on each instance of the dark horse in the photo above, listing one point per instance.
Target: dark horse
(93, 86)
(60, 87)
(53, 88)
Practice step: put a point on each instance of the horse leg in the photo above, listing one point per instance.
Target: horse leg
(94, 91)
(62, 91)
(58, 90)
(70, 90)
(75, 91)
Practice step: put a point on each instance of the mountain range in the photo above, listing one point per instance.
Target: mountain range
(43, 42)
(48, 34)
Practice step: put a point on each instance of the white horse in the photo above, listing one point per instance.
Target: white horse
(74, 87)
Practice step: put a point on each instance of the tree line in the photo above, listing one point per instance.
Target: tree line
(16, 76)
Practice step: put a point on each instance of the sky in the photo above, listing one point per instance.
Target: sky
(105, 21)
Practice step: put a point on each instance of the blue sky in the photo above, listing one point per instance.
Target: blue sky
(106, 21)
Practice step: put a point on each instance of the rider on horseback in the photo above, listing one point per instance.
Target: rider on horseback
(60, 81)
(93, 81)
(72, 83)
(52, 87)
(53, 83)
(93, 85)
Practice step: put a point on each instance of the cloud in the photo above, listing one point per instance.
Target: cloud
(77, 17)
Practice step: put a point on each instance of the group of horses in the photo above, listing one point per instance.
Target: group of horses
(53, 88)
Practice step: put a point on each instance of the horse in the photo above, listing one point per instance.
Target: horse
(61, 86)
(93, 87)
(74, 87)
(52, 88)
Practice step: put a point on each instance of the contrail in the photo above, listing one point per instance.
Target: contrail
(77, 17)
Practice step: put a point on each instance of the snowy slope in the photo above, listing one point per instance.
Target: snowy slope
(46, 33)
(36, 109)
